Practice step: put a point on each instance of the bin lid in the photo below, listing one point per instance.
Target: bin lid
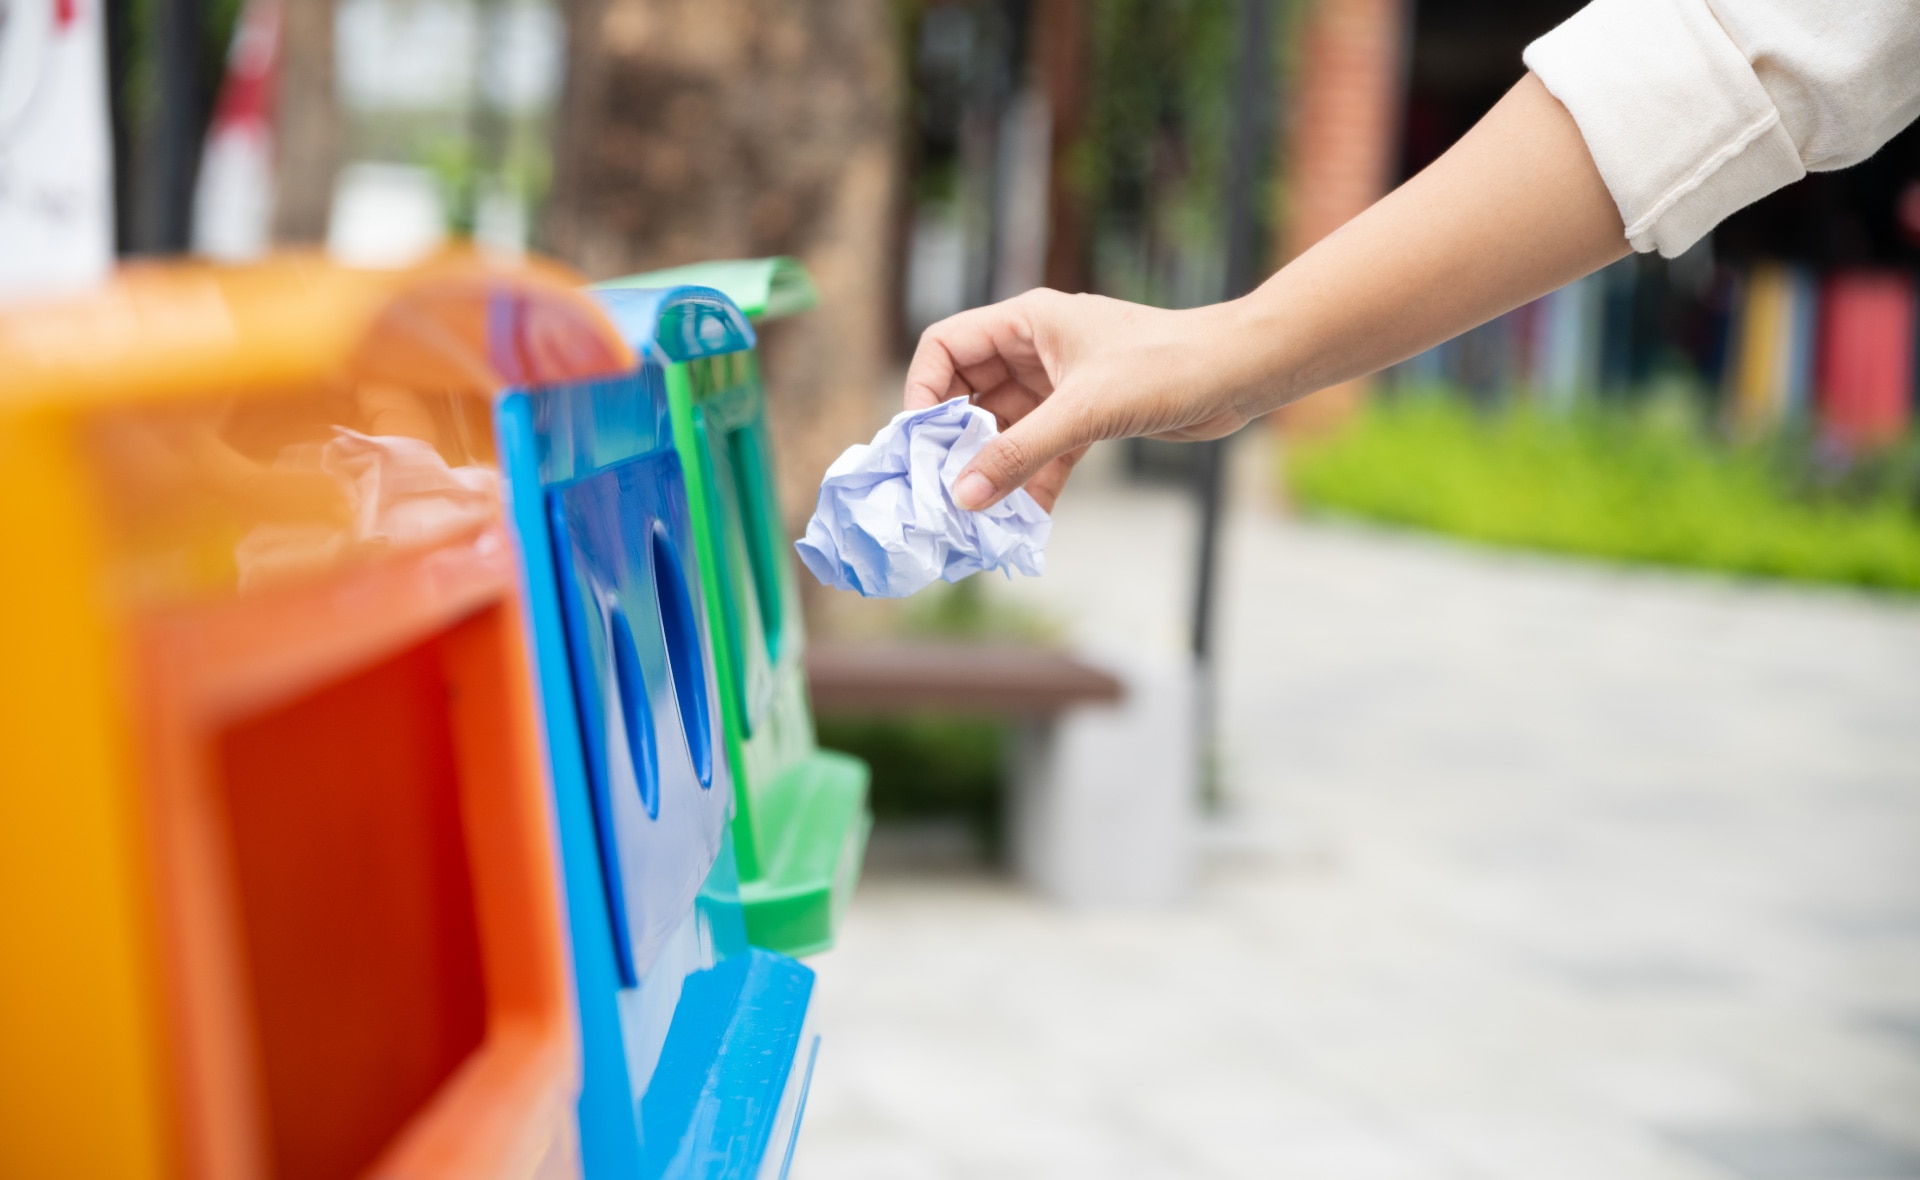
(459, 322)
(764, 288)
(676, 323)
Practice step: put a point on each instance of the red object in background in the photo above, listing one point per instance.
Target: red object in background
(1867, 355)
(246, 93)
(1910, 211)
(233, 205)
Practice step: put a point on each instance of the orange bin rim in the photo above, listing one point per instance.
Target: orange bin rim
(156, 332)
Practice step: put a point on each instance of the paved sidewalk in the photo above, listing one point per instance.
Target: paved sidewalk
(1535, 871)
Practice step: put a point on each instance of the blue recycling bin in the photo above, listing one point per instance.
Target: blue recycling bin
(696, 1047)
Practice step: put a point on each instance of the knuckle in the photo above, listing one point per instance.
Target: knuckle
(1013, 456)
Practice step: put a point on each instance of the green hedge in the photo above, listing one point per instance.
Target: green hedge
(929, 766)
(1642, 485)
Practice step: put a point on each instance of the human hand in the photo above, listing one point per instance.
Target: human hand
(1513, 210)
(1061, 372)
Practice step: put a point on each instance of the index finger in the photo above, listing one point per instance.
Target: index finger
(961, 355)
(932, 377)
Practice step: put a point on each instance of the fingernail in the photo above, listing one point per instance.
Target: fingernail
(972, 490)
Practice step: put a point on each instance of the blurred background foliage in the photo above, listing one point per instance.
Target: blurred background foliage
(1649, 482)
(1154, 158)
(138, 29)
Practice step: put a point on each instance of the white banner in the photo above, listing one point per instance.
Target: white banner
(56, 155)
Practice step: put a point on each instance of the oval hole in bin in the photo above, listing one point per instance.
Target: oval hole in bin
(687, 668)
(634, 711)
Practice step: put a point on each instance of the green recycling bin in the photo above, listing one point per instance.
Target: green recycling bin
(800, 821)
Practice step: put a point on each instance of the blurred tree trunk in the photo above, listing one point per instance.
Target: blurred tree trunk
(306, 124)
(1061, 40)
(699, 129)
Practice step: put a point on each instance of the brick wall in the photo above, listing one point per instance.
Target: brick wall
(1346, 107)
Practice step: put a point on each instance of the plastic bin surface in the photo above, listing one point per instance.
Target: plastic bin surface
(800, 826)
(697, 1049)
(273, 823)
(638, 653)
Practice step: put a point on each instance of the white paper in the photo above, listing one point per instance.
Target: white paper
(886, 524)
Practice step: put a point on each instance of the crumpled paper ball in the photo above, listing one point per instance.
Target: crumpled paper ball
(886, 524)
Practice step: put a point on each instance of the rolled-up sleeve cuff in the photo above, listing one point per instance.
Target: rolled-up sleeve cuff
(1678, 124)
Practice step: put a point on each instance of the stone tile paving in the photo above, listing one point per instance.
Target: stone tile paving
(1534, 870)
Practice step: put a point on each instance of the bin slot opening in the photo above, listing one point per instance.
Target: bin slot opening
(355, 895)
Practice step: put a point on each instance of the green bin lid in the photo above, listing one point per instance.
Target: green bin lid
(764, 288)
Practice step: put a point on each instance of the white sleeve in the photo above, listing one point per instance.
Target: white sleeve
(1695, 108)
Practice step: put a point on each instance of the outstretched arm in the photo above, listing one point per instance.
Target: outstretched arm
(1513, 210)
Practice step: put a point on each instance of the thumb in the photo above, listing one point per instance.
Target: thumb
(1048, 431)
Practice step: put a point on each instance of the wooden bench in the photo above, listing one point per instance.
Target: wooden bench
(993, 680)
(1102, 771)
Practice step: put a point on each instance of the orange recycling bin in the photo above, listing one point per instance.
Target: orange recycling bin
(274, 838)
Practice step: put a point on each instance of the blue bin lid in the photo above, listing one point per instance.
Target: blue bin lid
(676, 323)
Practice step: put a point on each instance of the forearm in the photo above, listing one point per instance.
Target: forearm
(1512, 211)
